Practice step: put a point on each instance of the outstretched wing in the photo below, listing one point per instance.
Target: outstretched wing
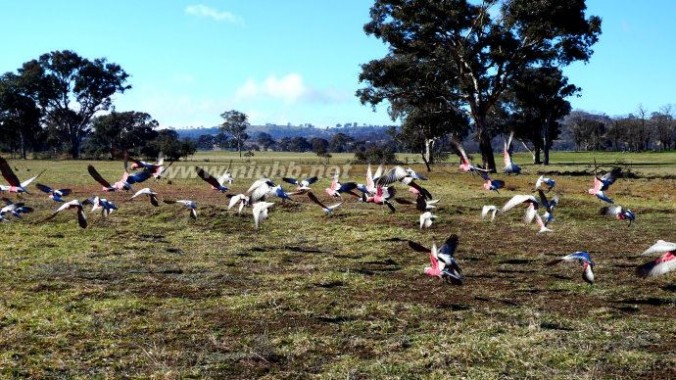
(97, 177)
(208, 178)
(8, 173)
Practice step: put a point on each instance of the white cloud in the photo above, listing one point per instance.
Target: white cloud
(290, 89)
(201, 10)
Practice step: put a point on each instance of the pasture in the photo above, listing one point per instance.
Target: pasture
(149, 293)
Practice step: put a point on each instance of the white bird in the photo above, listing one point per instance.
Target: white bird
(426, 219)
(151, 195)
(549, 182)
(190, 204)
(260, 189)
(72, 205)
(531, 210)
(242, 199)
(584, 259)
(260, 212)
(663, 264)
(489, 209)
(510, 166)
(106, 206)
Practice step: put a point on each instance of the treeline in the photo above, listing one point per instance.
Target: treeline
(636, 132)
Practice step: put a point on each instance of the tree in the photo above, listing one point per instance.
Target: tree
(538, 105)
(665, 127)
(265, 140)
(340, 142)
(19, 115)
(70, 89)
(235, 125)
(467, 55)
(122, 131)
(205, 142)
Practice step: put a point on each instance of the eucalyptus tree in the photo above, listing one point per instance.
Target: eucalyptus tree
(19, 115)
(235, 125)
(468, 53)
(123, 131)
(539, 103)
(70, 90)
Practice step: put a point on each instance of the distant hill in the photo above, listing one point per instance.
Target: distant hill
(365, 132)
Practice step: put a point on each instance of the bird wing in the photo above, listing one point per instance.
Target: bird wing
(310, 181)
(417, 247)
(81, 218)
(97, 177)
(449, 246)
(29, 180)
(662, 265)
(8, 173)
(234, 200)
(316, 200)
(208, 178)
(660, 246)
(517, 200)
(44, 188)
(393, 175)
(290, 180)
(486, 209)
(461, 151)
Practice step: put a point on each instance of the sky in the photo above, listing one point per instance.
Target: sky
(298, 61)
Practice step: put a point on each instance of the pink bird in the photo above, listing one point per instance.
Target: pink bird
(14, 185)
(465, 165)
(663, 264)
(442, 260)
(382, 197)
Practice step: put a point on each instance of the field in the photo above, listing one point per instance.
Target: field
(150, 293)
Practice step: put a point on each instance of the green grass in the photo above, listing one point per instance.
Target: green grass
(148, 293)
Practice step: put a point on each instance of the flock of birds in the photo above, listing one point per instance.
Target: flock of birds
(378, 188)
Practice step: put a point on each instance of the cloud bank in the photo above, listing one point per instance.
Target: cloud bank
(200, 10)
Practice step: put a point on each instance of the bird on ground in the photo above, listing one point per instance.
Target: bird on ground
(54, 194)
(426, 219)
(76, 205)
(619, 212)
(489, 209)
(663, 264)
(328, 210)
(216, 183)
(15, 186)
(107, 207)
(16, 209)
(260, 212)
(546, 181)
(152, 196)
(583, 258)
(303, 186)
(465, 164)
(492, 184)
(510, 166)
(190, 204)
(442, 260)
(240, 199)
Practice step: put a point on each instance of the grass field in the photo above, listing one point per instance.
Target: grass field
(149, 293)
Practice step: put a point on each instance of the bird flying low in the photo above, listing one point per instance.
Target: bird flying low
(489, 209)
(382, 197)
(240, 199)
(122, 184)
(531, 210)
(583, 258)
(619, 212)
(260, 212)
(76, 205)
(602, 183)
(442, 260)
(54, 194)
(426, 219)
(15, 186)
(154, 168)
(106, 206)
(303, 185)
(492, 184)
(510, 166)
(16, 209)
(328, 210)
(465, 165)
(663, 264)
(190, 204)
(336, 188)
(260, 189)
(546, 181)
(152, 196)
(216, 183)
(548, 205)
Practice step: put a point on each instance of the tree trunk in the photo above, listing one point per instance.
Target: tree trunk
(486, 149)
(546, 151)
(427, 156)
(536, 155)
(23, 146)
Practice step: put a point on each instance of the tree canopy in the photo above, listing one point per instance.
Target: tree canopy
(462, 55)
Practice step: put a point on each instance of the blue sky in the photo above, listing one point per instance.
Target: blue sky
(298, 61)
